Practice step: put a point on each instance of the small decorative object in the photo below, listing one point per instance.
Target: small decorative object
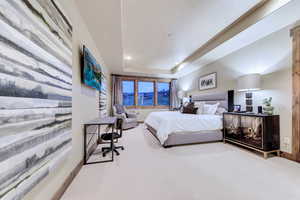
(259, 109)
(208, 81)
(267, 108)
(237, 108)
(249, 83)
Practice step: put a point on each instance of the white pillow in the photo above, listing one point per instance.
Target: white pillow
(220, 111)
(210, 109)
(200, 106)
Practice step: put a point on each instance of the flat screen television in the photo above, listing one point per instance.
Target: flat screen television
(91, 70)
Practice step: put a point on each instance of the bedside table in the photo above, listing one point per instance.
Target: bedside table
(259, 132)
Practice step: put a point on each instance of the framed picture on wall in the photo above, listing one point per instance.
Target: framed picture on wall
(208, 81)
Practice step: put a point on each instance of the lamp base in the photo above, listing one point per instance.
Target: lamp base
(249, 107)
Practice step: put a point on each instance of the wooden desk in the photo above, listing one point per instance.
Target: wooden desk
(108, 121)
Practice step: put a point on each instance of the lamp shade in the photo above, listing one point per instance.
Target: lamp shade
(249, 82)
(181, 94)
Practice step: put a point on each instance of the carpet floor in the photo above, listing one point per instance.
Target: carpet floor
(215, 171)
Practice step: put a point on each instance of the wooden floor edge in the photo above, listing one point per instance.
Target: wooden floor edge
(67, 182)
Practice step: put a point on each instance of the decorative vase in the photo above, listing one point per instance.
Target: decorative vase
(267, 107)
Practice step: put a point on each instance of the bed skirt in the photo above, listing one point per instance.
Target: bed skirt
(185, 138)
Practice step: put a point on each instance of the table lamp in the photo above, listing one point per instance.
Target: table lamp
(249, 83)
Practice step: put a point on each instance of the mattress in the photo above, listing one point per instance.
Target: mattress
(170, 122)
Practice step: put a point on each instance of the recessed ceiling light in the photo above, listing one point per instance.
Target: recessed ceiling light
(128, 58)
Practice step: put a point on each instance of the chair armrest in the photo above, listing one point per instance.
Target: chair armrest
(131, 112)
(120, 116)
(131, 115)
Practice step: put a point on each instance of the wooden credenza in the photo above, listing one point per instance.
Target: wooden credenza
(258, 132)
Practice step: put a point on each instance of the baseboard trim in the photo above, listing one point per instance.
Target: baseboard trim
(67, 182)
(288, 156)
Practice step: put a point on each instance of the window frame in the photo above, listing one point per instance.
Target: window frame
(146, 79)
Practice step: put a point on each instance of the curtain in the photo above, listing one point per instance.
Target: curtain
(174, 97)
(117, 97)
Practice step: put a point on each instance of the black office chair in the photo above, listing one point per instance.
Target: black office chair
(111, 137)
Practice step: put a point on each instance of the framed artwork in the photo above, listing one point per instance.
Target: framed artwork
(208, 81)
(35, 93)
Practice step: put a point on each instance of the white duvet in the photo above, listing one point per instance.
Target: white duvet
(169, 122)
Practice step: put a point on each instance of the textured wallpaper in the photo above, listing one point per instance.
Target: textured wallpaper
(35, 93)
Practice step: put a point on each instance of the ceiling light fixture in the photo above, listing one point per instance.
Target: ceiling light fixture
(180, 67)
(128, 58)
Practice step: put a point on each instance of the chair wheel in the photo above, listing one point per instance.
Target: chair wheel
(122, 148)
(104, 155)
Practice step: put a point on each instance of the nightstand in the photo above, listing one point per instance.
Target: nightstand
(259, 132)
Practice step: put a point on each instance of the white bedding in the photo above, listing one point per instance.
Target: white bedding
(169, 122)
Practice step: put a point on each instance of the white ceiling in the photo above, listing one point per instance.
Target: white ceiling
(282, 19)
(269, 54)
(157, 34)
(103, 19)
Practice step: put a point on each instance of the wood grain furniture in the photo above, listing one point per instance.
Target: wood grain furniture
(259, 132)
(295, 34)
(92, 137)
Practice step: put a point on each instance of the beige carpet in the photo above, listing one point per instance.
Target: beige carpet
(217, 171)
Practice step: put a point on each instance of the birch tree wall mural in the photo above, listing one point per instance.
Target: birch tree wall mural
(35, 93)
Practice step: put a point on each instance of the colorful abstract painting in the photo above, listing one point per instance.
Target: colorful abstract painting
(35, 93)
(92, 72)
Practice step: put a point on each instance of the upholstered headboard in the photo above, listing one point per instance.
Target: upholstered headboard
(226, 99)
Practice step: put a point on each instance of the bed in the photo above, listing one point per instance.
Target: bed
(173, 128)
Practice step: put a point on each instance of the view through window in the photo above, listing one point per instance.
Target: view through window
(145, 93)
(128, 93)
(140, 92)
(163, 94)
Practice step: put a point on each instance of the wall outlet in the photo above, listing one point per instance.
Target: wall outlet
(287, 144)
(286, 141)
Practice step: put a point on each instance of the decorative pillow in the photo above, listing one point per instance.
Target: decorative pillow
(183, 105)
(200, 106)
(220, 111)
(210, 109)
(124, 115)
(189, 109)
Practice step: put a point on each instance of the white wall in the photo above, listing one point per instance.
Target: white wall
(225, 79)
(85, 106)
(277, 85)
(270, 56)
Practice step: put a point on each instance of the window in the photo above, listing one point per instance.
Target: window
(145, 93)
(128, 93)
(163, 93)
